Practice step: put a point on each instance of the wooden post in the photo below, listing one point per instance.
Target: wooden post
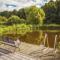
(55, 42)
(45, 39)
(47, 42)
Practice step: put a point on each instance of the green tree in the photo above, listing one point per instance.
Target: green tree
(6, 14)
(14, 12)
(13, 20)
(3, 20)
(21, 13)
(58, 12)
(52, 11)
(35, 15)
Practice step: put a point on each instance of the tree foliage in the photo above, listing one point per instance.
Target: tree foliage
(13, 20)
(35, 15)
(3, 20)
(52, 11)
(21, 13)
(30, 15)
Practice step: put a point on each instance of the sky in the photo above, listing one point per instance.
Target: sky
(17, 4)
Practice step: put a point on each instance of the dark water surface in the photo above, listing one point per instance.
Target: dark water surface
(37, 36)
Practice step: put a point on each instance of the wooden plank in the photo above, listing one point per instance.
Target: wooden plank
(16, 56)
(7, 43)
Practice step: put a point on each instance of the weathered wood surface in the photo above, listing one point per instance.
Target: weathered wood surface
(15, 56)
(29, 52)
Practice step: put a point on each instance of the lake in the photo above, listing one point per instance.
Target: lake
(37, 36)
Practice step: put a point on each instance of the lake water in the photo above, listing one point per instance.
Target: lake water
(38, 36)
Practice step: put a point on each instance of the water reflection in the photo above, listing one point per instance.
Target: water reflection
(37, 36)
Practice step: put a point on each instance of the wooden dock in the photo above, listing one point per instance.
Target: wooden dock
(29, 52)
